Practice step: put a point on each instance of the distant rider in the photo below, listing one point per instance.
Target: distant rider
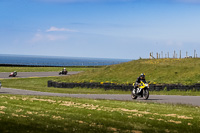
(15, 73)
(140, 79)
(64, 71)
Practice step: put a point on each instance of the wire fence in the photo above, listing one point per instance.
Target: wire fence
(173, 55)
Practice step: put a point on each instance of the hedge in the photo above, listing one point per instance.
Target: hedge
(123, 87)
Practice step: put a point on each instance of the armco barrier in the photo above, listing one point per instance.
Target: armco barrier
(124, 87)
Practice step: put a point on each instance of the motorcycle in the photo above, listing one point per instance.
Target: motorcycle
(63, 73)
(142, 90)
(13, 74)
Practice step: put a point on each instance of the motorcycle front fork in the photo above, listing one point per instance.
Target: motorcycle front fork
(137, 90)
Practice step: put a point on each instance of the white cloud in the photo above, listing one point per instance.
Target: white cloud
(48, 37)
(60, 29)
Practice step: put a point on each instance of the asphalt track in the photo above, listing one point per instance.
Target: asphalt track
(4, 75)
(189, 100)
(171, 99)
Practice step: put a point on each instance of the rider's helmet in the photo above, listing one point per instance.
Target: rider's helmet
(142, 75)
(64, 68)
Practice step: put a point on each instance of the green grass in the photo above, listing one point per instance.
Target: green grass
(42, 69)
(170, 71)
(184, 71)
(40, 84)
(54, 114)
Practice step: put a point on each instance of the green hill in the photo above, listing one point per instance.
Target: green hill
(184, 71)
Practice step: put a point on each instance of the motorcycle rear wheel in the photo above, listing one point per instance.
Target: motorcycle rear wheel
(145, 94)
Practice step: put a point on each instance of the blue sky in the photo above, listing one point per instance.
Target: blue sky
(125, 29)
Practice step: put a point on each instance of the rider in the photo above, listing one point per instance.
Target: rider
(64, 70)
(138, 81)
(15, 73)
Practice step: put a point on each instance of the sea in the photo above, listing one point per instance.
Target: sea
(32, 60)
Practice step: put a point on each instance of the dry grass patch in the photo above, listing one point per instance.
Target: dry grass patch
(42, 114)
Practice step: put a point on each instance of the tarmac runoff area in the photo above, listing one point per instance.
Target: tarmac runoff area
(171, 99)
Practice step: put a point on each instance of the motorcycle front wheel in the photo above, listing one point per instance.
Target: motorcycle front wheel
(145, 94)
(133, 96)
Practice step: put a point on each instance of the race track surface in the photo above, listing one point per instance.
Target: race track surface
(189, 100)
(4, 75)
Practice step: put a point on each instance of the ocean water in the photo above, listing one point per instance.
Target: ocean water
(56, 61)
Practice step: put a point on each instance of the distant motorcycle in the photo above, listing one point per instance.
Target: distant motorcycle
(142, 90)
(13, 74)
(63, 73)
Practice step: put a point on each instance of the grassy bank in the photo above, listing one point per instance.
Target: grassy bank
(184, 71)
(170, 71)
(54, 114)
(42, 69)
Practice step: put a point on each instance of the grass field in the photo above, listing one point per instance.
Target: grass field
(55, 114)
(170, 71)
(184, 71)
(40, 84)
